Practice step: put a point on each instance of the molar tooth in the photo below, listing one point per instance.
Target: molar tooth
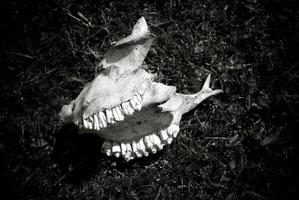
(106, 148)
(163, 135)
(135, 149)
(157, 141)
(124, 107)
(89, 123)
(85, 123)
(116, 149)
(135, 103)
(130, 109)
(153, 148)
(129, 154)
(103, 120)
(127, 108)
(109, 115)
(118, 114)
(123, 149)
(169, 140)
(139, 98)
(115, 114)
(96, 122)
(138, 103)
(173, 130)
(147, 142)
(141, 147)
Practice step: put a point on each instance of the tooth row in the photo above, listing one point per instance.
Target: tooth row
(142, 147)
(110, 116)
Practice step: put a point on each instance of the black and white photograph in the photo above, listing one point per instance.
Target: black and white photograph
(149, 100)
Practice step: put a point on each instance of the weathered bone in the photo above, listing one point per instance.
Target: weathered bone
(123, 105)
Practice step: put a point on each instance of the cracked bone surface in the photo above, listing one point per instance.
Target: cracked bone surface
(123, 105)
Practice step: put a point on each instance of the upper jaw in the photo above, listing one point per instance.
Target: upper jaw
(132, 118)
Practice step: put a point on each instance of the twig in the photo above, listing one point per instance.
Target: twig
(215, 138)
(20, 54)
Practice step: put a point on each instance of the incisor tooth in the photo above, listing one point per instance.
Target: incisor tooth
(110, 118)
(96, 122)
(106, 148)
(173, 130)
(103, 120)
(116, 149)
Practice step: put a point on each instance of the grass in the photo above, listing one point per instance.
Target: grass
(238, 145)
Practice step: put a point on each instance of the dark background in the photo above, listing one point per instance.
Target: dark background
(238, 145)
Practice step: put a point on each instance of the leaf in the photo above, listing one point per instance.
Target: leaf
(270, 139)
(231, 196)
(233, 141)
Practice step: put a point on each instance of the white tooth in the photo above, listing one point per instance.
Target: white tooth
(136, 104)
(127, 157)
(106, 148)
(124, 107)
(141, 147)
(153, 148)
(96, 122)
(157, 141)
(85, 123)
(116, 149)
(139, 98)
(163, 135)
(123, 149)
(139, 106)
(89, 123)
(115, 114)
(130, 109)
(135, 150)
(129, 154)
(103, 120)
(147, 142)
(169, 140)
(127, 108)
(173, 130)
(120, 113)
(110, 118)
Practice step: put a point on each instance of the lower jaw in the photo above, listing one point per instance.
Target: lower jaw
(143, 146)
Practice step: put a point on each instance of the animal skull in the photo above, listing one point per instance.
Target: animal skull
(125, 106)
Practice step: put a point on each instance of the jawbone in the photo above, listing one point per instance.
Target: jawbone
(134, 114)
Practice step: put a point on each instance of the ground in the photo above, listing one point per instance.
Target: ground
(238, 145)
